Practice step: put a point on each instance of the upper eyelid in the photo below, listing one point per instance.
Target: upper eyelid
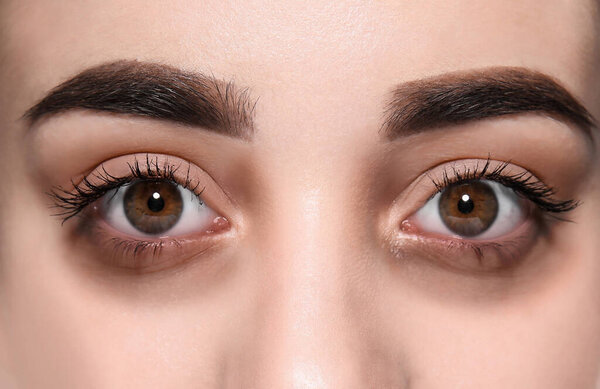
(422, 188)
(471, 174)
(524, 183)
(73, 201)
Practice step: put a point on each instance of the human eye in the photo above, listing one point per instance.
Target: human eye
(484, 215)
(142, 212)
(476, 209)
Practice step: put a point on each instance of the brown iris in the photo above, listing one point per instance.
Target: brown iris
(468, 209)
(153, 207)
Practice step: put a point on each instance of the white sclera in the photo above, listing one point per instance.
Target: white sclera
(195, 215)
(510, 215)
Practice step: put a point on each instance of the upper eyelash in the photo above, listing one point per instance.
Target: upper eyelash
(523, 183)
(72, 202)
(85, 193)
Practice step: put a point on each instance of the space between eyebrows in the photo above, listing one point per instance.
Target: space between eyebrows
(155, 91)
(461, 97)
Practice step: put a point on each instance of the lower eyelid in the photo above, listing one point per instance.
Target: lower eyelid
(114, 249)
(465, 255)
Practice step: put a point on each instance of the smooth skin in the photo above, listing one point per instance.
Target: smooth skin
(305, 291)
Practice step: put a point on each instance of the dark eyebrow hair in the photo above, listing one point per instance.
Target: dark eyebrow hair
(460, 97)
(156, 91)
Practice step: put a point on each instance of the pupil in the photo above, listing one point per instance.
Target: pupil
(156, 202)
(465, 204)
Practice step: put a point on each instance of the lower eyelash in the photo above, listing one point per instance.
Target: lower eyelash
(142, 256)
(507, 252)
(487, 257)
(135, 249)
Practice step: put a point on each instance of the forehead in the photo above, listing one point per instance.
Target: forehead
(333, 49)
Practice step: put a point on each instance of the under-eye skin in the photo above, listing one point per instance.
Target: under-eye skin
(482, 216)
(144, 212)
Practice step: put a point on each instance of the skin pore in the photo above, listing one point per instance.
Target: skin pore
(306, 137)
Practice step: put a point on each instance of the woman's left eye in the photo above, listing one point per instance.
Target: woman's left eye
(155, 208)
(476, 210)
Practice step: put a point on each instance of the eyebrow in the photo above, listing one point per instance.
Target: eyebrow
(461, 97)
(155, 91)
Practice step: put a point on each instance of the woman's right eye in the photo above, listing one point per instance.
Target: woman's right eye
(155, 208)
(145, 212)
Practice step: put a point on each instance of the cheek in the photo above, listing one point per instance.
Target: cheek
(68, 328)
(520, 336)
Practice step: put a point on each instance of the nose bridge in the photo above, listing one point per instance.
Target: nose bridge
(306, 334)
(312, 305)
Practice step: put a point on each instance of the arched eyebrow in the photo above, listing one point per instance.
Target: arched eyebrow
(156, 91)
(461, 97)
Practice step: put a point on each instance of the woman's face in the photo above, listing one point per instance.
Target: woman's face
(303, 194)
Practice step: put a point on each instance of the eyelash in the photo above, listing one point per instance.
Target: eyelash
(523, 183)
(73, 202)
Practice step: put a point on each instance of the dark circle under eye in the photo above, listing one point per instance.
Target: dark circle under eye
(153, 207)
(468, 209)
